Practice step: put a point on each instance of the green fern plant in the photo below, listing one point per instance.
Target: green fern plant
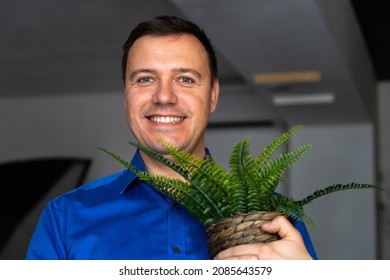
(211, 194)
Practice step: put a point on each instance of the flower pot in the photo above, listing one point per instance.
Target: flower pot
(237, 230)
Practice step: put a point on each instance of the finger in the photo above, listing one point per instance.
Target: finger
(237, 258)
(245, 251)
(280, 225)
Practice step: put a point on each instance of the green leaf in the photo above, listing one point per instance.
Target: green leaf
(335, 188)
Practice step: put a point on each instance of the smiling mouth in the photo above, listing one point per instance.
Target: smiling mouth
(158, 119)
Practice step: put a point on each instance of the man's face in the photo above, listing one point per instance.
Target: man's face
(168, 92)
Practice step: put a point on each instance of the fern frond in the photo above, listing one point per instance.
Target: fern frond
(268, 151)
(244, 179)
(181, 192)
(297, 215)
(160, 157)
(216, 188)
(335, 188)
(205, 175)
(198, 167)
(272, 170)
(288, 207)
(186, 164)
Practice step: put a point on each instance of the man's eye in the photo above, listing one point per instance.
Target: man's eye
(144, 80)
(186, 80)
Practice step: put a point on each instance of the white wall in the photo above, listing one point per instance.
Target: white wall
(69, 126)
(384, 166)
(345, 221)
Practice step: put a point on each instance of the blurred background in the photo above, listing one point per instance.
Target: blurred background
(321, 63)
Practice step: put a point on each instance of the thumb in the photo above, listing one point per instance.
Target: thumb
(281, 226)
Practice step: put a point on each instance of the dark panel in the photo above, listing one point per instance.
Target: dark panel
(25, 183)
(374, 20)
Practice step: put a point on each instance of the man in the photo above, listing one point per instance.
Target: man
(171, 87)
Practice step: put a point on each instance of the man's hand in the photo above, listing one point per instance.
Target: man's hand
(289, 247)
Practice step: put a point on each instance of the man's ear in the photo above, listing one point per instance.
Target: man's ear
(124, 99)
(214, 95)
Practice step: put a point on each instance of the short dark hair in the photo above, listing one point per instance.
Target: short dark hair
(170, 25)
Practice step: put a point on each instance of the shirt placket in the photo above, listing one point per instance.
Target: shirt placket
(176, 233)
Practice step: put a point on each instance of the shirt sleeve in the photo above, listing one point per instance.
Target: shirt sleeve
(300, 226)
(47, 240)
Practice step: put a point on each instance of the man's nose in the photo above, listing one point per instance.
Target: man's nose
(165, 93)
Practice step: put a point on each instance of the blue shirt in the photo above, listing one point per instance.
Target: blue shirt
(120, 217)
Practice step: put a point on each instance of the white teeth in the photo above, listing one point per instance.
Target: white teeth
(166, 119)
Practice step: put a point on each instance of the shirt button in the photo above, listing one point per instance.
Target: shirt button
(176, 249)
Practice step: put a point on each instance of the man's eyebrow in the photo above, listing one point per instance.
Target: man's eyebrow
(150, 71)
(189, 70)
(140, 71)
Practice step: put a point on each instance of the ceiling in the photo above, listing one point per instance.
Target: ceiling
(281, 61)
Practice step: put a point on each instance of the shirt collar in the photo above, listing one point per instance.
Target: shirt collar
(138, 163)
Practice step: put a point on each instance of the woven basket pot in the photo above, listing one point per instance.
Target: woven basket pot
(237, 230)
